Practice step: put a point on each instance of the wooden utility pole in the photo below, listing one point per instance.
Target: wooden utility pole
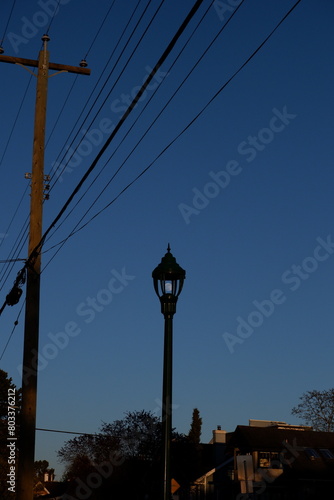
(25, 472)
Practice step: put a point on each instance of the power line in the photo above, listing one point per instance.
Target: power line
(66, 432)
(100, 91)
(127, 62)
(140, 114)
(9, 268)
(16, 322)
(8, 21)
(37, 250)
(61, 110)
(198, 114)
(100, 28)
(15, 121)
(23, 235)
(135, 100)
(13, 217)
(163, 151)
(52, 18)
(57, 120)
(74, 231)
(162, 110)
(11, 260)
(76, 77)
(25, 227)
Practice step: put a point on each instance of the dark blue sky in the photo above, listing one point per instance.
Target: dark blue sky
(244, 197)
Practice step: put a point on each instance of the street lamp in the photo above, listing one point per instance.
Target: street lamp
(168, 278)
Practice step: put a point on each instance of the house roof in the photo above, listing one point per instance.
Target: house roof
(53, 489)
(300, 451)
(274, 439)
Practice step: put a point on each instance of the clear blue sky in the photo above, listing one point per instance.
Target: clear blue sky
(244, 197)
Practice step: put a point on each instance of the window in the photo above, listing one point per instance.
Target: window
(311, 453)
(269, 460)
(264, 459)
(326, 453)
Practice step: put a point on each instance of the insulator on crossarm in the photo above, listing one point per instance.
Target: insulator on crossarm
(83, 63)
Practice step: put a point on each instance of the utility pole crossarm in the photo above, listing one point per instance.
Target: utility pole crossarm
(53, 66)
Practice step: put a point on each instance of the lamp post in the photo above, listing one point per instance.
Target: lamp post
(168, 278)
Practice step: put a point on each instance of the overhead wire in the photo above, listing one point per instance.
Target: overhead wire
(76, 76)
(143, 110)
(61, 111)
(18, 114)
(128, 60)
(16, 322)
(69, 147)
(15, 212)
(38, 248)
(10, 261)
(15, 251)
(195, 118)
(8, 21)
(23, 196)
(19, 243)
(55, 163)
(8, 142)
(136, 120)
(135, 100)
(65, 432)
(99, 30)
(59, 174)
(52, 17)
(13, 128)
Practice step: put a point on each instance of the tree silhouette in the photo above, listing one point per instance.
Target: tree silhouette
(123, 449)
(41, 467)
(195, 432)
(317, 409)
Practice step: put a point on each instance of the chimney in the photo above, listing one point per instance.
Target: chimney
(219, 436)
(48, 476)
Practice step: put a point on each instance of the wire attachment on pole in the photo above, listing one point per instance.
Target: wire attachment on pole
(13, 297)
(45, 39)
(46, 195)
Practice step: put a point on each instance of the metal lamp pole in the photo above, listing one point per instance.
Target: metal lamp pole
(168, 278)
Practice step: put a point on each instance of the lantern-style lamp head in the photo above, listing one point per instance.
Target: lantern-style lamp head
(168, 278)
